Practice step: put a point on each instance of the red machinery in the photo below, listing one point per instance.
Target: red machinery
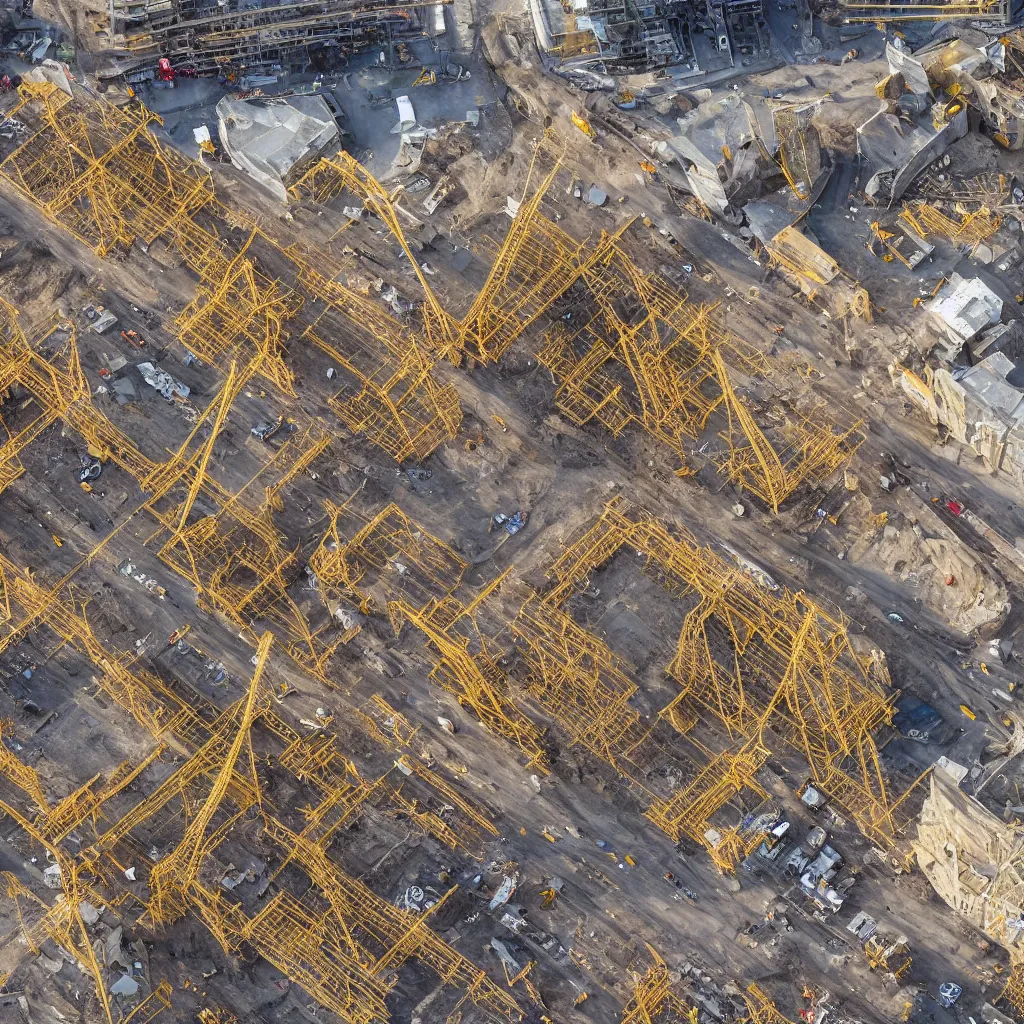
(164, 70)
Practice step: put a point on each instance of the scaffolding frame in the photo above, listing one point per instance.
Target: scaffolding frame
(762, 1007)
(759, 670)
(536, 264)
(62, 923)
(394, 397)
(327, 179)
(769, 666)
(241, 566)
(970, 228)
(347, 956)
(113, 184)
(467, 666)
(117, 184)
(172, 877)
(418, 567)
(980, 10)
(188, 723)
(59, 388)
(1013, 991)
(390, 564)
(654, 999)
(572, 676)
(95, 170)
(587, 690)
(235, 558)
(238, 316)
(650, 357)
(250, 514)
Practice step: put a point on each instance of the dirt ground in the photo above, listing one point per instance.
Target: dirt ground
(925, 592)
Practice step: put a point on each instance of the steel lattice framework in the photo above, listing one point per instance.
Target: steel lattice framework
(766, 670)
(536, 264)
(862, 11)
(964, 228)
(652, 358)
(1013, 991)
(388, 563)
(99, 172)
(284, 932)
(759, 670)
(646, 357)
(654, 1000)
(343, 956)
(392, 394)
(235, 557)
(769, 666)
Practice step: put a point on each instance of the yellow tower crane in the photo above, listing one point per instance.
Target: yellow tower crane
(174, 875)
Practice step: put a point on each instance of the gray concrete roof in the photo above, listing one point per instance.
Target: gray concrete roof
(274, 138)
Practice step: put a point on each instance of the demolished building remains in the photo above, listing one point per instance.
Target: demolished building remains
(624, 37)
(974, 862)
(276, 140)
(206, 38)
(460, 556)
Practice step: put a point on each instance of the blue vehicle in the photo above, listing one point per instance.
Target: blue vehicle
(919, 721)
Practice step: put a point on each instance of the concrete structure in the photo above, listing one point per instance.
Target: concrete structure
(719, 146)
(625, 37)
(895, 154)
(275, 140)
(962, 309)
(974, 861)
(978, 406)
(270, 38)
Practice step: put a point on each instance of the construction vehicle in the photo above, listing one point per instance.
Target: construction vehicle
(889, 957)
(134, 339)
(202, 136)
(266, 432)
(878, 244)
(898, 242)
(164, 70)
(920, 299)
(425, 77)
(89, 470)
(548, 898)
(179, 634)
